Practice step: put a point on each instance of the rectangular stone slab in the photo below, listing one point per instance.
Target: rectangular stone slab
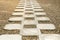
(30, 22)
(17, 13)
(31, 31)
(37, 7)
(28, 9)
(11, 37)
(13, 26)
(46, 26)
(28, 15)
(50, 37)
(40, 13)
(19, 7)
(15, 19)
(38, 10)
(28, 5)
(19, 10)
(43, 19)
(20, 3)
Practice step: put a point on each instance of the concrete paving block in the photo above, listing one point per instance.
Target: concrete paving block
(30, 22)
(19, 10)
(10, 37)
(17, 13)
(50, 37)
(15, 19)
(43, 19)
(21, 4)
(19, 7)
(40, 13)
(31, 31)
(36, 3)
(46, 26)
(28, 15)
(38, 10)
(28, 5)
(13, 26)
(28, 9)
(36, 7)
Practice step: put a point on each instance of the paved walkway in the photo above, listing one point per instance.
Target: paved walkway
(29, 18)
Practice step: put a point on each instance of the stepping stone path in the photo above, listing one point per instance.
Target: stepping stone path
(33, 19)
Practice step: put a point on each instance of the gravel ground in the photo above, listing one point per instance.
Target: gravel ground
(52, 8)
(6, 9)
